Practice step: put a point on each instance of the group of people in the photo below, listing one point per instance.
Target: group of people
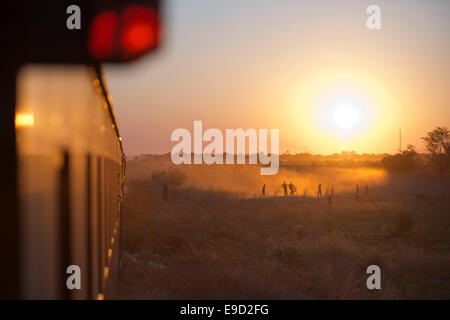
(292, 191)
(328, 195)
(291, 186)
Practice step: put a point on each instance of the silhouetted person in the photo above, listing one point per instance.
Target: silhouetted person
(284, 185)
(165, 192)
(319, 191)
(357, 192)
(367, 191)
(331, 195)
(292, 189)
(263, 191)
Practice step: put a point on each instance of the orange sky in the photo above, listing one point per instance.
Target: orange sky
(287, 65)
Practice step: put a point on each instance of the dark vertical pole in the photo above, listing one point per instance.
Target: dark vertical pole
(9, 217)
(99, 225)
(106, 213)
(121, 220)
(89, 224)
(64, 224)
(106, 210)
(12, 54)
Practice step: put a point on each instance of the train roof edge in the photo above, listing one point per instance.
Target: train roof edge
(103, 86)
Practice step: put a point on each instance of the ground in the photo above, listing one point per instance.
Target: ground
(215, 239)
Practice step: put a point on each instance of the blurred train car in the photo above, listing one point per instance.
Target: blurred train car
(71, 173)
(62, 167)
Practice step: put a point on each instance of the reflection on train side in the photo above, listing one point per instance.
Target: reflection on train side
(71, 175)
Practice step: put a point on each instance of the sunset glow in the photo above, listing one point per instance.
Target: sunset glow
(320, 76)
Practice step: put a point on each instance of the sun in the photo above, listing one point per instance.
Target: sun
(337, 110)
(345, 117)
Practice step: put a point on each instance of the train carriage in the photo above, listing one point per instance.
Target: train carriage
(71, 175)
(63, 166)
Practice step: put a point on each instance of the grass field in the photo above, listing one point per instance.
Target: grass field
(217, 238)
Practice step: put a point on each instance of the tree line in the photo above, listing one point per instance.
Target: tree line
(436, 160)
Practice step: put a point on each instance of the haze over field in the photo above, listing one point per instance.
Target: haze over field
(217, 237)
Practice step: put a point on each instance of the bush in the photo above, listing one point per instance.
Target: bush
(440, 162)
(402, 162)
(402, 224)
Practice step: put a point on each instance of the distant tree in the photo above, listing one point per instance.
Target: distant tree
(437, 141)
(438, 144)
(410, 149)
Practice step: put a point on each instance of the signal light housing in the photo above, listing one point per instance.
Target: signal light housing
(111, 31)
(103, 30)
(124, 36)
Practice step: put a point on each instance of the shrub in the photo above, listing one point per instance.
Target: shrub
(402, 224)
(401, 162)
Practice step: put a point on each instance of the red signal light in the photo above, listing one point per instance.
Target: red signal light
(102, 35)
(139, 30)
(124, 38)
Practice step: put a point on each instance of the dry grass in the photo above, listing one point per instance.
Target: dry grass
(217, 245)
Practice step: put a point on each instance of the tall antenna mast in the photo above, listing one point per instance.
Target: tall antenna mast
(400, 140)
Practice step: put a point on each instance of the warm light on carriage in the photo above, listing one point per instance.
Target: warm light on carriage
(24, 120)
